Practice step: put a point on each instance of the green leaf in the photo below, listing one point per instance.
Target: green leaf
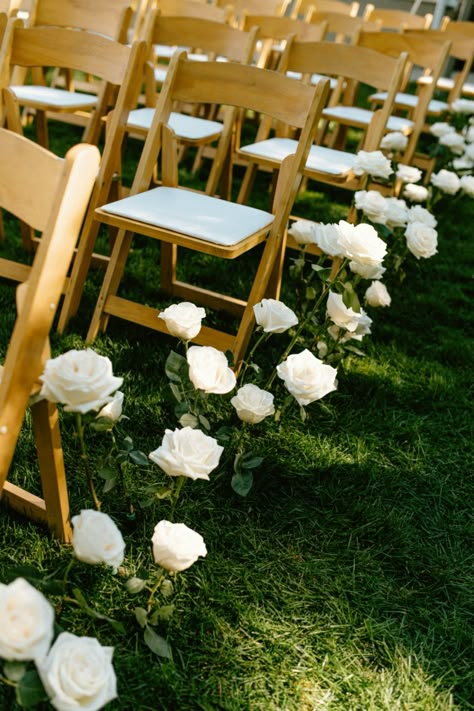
(323, 272)
(107, 472)
(176, 392)
(248, 461)
(30, 690)
(157, 644)
(176, 367)
(128, 442)
(303, 414)
(163, 614)
(139, 458)
(14, 670)
(109, 485)
(141, 616)
(310, 293)
(224, 433)
(188, 420)
(204, 422)
(242, 482)
(81, 600)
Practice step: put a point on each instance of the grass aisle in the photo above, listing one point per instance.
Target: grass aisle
(344, 580)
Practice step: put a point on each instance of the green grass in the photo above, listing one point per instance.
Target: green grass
(344, 580)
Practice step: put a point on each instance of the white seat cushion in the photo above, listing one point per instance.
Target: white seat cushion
(56, 98)
(194, 214)
(410, 101)
(364, 117)
(314, 78)
(186, 127)
(321, 159)
(447, 83)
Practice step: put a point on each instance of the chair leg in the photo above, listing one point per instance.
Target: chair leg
(246, 185)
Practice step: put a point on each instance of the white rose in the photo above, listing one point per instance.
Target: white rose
(372, 204)
(306, 377)
(408, 174)
(469, 152)
(377, 294)
(463, 106)
(422, 241)
(463, 163)
(176, 547)
(209, 370)
(96, 539)
(447, 181)
(454, 141)
(367, 271)
(113, 410)
(253, 404)
(274, 316)
(361, 243)
(342, 315)
(187, 452)
(415, 193)
(26, 622)
(396, 212)
(441, 128)
(78, 674)
(183, 320)
(469, 134)
(342, 336)
(302, 231)
(467, 185)
(327, 239)
(374, 163)
(394, 141)
(80, 380)
(417, 213)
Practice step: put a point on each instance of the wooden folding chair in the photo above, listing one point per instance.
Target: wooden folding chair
(395, 20)
(255, 7)
(301, 8)
(179, 217)
(51, 194)
(351, 64)
(71, 49)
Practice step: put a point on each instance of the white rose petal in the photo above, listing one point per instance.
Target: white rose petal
(253, 404)
(408, 174)
(361, 243)
(446, 181)
(113, 410)
(80, 380)
(463, 106)
(441, 128)
(367, 271)
(394, 141)
(454, 141)
(26, 622)
(306, 377)
(209, 370)
(417, 213)
(396, 212)
(302, 231)
(183, 320)
(187, 452)
(467, 184)
(344, 316)
(97, 539)
(274, 316)
(326, 237)
(374, 163)
(372, 204)
(422, 241)
(176, 547)
(415, 193)
(78, 674)
(377, 294)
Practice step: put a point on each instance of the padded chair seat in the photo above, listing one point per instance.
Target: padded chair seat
(38, 96)
(410, 101)
(364, 116)
(186, 127)
(447, 84)
(194, 214)
(320, 159)
(314, 78)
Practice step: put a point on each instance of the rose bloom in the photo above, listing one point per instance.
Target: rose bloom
(415, 193)
(422, 241)
(394, 141)
(326, 237)
(96, 539)
(306, 377)
(377, 294)
(374, 163)
(467, 185)
(361, 243)
(469, 134)
(80, 380)
(187, 452)
(342, 315)
(183, 320)
(372, 204)
(417, 213)
(441, 128)
(253, 404)
(176, 547)
(454, 141)
(302, 231)
(469, 152)
(408, 174)
(26, 622)
(78, 674)
(274, 316)
(396, 212)
(447, 181)
(463, 106)
(113, 410)
(342, 336)
(367, 271)
(463, 163)
(209, 370)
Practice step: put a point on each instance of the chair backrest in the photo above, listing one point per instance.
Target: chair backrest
(73, 49)
(111, 18)
(255, 7)
(397, 20)
(51, 194)
(9, 7)
(302, 7)
(464, 27)
(343, 28)
(196, 8)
